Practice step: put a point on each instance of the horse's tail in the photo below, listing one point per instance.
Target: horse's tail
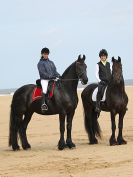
(13, 124)
(20, 100)
(92, 126)
(95, 123)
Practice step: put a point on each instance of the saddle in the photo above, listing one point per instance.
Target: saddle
(94, 94)
(37, 92)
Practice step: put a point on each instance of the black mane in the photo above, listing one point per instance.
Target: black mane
(67, 70)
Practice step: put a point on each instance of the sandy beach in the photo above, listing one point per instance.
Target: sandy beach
(44, 159)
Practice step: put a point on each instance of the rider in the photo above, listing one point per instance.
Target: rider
(47, 71)
(103, 75)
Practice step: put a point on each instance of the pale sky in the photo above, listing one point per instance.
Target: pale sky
(68, 28)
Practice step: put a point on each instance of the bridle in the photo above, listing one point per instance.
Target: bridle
(79, 75)
(76, 79)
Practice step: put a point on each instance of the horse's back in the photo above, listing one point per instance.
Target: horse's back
(21, 94)
(87, 92)
(25, 89)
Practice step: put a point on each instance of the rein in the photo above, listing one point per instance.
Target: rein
(69, 79)
(79, 75)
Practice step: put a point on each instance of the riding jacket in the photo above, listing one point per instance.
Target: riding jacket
(47, 69)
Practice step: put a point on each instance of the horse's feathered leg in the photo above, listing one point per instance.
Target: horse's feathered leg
(120, 139)
(61, 143)
(69, 142)
(22, 130)
(113, 127)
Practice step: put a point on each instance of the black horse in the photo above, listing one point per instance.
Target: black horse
(63, 102)
(116, 103)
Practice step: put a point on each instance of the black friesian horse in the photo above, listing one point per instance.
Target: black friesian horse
(64, 103)
(116, 103)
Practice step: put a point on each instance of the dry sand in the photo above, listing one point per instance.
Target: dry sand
(44, 160)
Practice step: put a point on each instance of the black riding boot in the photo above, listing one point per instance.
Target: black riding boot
(44, 106)
(99, 95)
(101, 87)
(98, 109)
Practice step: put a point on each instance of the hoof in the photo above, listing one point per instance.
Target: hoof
(61, 145)
(70, 145)
(26, 147)
(15, 148)
(121, 141)
(113, 142)
(94, 141)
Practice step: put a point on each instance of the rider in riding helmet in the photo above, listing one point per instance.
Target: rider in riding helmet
(103, 75)
(47, 71)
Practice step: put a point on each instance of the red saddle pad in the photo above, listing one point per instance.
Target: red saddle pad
(37, 93)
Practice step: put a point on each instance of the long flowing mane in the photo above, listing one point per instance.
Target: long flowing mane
(117, 71)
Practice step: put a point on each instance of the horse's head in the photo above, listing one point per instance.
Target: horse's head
(81, 69)
(117, 70)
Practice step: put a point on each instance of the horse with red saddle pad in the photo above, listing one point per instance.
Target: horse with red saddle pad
(63, 101)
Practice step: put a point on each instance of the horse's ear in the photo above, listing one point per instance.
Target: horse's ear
(119, 59)
(84, 57)
(79, 57)
(113, 59)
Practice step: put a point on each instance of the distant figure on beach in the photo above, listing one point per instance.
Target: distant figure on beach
(103, 75)
(47, 71)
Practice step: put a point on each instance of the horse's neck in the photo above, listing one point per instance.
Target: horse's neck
(119, 86)
(70, 79)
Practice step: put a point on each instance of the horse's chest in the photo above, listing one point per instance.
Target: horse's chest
(117, 102)
(68, 102)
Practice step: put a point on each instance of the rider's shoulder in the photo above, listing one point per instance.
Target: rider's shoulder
(40, 62)
(51, 61)
(108, 62)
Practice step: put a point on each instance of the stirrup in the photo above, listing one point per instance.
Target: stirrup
(44, 107)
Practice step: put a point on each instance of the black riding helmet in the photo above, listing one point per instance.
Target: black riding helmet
(103, 52)
(45, 50)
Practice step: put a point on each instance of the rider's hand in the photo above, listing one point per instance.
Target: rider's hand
(56, 79)
(59, 76)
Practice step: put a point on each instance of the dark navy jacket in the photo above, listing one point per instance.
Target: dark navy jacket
(47, 69)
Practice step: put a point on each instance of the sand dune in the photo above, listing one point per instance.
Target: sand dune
(44, 160)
